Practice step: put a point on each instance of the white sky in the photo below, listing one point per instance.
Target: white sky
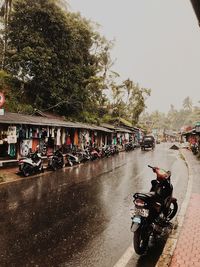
(157, 45)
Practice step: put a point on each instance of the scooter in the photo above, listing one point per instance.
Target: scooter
(84, 155)
(153, 211)
(95, 154)
(31, 165)
(129, 146)
(56, 161)
(72, 159)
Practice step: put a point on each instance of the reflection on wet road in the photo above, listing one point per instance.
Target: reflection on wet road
(80, 216)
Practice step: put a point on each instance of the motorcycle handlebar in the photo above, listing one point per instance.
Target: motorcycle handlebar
(151, 167)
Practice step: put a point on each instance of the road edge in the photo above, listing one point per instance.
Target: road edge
(165, 258)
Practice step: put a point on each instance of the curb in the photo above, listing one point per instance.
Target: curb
(165, 258)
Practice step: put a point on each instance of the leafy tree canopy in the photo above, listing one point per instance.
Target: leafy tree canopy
(49, 52)
(57, 61)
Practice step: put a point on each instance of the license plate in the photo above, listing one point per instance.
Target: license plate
(140, 212)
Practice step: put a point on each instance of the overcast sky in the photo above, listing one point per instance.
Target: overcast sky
(157, 45)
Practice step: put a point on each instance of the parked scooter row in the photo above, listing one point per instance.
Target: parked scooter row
(32, 164)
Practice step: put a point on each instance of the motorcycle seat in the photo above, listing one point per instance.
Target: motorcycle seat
(144, 195)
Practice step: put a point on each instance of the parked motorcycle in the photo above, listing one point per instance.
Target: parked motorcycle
(129, 146)
(56, 161)
(84, 155)
(153, 210)
(95, 153)
(72, 159)
(115, 150)
(31, 165)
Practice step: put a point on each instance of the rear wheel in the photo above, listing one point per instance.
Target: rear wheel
(54, 167)
(172, 210)
(26, 170)
(141, 240)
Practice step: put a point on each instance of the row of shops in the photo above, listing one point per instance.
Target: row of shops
(192, 135)
(21, 134)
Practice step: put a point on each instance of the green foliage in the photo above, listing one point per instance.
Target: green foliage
(174, 119)
(129, 100)
(88, 117)
(56, 61)
(50, 54)
(10, 87)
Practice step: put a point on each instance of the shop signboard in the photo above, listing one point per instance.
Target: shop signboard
(25, 147)
(12, 135)
(197, 127)
(1, 111)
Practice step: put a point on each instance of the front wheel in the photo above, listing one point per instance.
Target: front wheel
(172, 210)
(141, 240)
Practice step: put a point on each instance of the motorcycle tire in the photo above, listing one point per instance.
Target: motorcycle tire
(54, 167)
(141, 240)
(26, 171)
(172, 211)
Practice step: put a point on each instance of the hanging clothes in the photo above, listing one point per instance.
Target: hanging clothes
(27, 135)
(53, 132)
(35, 143)
(92, 138)
(58, 143)
(68, 140)
(76, 140)
(48, 132)
(63, 136)
(12, 150)
(31, 132)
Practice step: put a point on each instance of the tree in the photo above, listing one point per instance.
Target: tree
(50, 55)
(137, 102)
(5, 14)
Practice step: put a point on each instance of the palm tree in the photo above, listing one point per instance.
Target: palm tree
(128, 85)
(187, 104)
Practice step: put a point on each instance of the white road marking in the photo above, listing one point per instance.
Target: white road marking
(125, 258)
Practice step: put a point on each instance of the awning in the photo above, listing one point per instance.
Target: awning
(122, 130)
(21, 119)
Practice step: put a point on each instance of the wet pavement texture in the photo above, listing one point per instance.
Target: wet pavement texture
(80, 216)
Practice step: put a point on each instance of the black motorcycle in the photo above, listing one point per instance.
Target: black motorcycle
(129, 146)
(56, 161)
(153, 211)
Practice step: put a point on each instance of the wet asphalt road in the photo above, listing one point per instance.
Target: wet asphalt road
(80, 216)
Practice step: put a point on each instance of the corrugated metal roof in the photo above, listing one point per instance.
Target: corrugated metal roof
(107, 125)
(123, 130)
(16, 118)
